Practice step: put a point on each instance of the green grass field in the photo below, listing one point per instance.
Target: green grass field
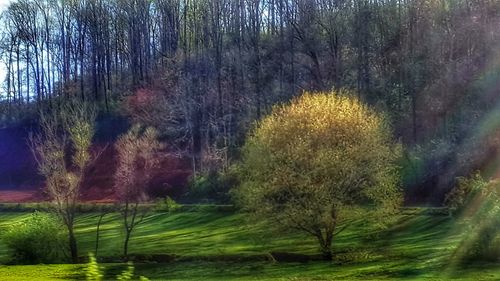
(418, 246)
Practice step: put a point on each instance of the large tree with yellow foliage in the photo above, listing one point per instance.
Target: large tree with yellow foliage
(312, 162)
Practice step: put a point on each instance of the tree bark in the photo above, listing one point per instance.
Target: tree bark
(72, 244)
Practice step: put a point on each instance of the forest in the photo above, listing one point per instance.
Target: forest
(368, 129)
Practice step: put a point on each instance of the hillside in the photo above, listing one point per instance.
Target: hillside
(20, 181)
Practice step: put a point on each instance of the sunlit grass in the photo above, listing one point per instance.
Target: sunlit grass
(419, 246)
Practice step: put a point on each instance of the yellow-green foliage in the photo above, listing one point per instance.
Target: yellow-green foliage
(37, 239)
(78, 120)
(81, 134)
(465, 192)
(310, 159)
(126, 274)
(93, 270)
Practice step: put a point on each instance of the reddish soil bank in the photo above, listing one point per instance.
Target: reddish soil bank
(13, 196)
(20, 181)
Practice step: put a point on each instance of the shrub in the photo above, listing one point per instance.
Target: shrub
(171, 205)
(166, 205)
(464, 193)
(38, 239)
(214, 186)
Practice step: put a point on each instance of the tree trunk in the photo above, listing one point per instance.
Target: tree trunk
(326, 244)
(72, 245)
(97, 233)
(125, 244)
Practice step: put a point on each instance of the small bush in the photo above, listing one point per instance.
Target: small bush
(167, 205)
(203, 187)
(464, 193)
(213, 187)
(171, 205)
(38, 239)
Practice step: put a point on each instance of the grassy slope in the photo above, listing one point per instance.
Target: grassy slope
(417, 247)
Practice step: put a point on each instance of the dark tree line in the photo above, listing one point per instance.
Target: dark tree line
(214, 66)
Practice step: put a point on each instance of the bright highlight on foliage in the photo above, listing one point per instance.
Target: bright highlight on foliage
(311, 162)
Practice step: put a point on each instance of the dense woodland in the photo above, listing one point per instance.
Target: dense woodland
(202, 71)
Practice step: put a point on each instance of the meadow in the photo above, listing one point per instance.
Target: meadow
(222, 245)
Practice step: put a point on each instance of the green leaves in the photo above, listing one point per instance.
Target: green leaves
(37, 239)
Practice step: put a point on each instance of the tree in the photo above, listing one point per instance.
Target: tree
(65, 134)
(309, 162)
(137, 151)
(430, 64)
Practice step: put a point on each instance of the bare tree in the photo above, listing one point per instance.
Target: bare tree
(137, 152)
(65, 134)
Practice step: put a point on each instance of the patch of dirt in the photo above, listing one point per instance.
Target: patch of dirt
(16, 196)
(20, 181)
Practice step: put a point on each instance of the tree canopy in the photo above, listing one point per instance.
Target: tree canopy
(313, 158)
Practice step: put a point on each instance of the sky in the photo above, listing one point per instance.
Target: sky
(3, 5)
